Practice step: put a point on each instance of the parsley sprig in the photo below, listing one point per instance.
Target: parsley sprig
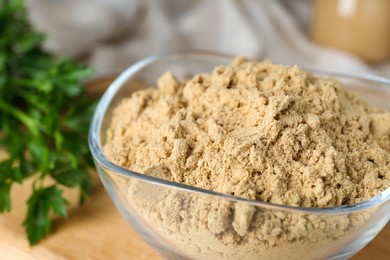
(44, 120)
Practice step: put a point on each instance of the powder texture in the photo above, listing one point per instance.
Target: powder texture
(258, 131)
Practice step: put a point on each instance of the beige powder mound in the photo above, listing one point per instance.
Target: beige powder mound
(259, 131)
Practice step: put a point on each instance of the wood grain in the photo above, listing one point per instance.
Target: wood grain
(97, 231)
(93, 231)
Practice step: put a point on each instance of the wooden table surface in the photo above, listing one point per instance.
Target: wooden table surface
(97, 231)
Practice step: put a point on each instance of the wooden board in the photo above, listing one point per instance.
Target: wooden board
(93, 231)
(97, 231)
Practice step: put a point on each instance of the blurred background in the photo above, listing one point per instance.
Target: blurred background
(333, 35)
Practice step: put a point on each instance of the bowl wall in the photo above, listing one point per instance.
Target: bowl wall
(181, 222)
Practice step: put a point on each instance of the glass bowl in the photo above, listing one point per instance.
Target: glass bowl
(183, 222)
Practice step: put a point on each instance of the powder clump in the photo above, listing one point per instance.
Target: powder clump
(259, 131)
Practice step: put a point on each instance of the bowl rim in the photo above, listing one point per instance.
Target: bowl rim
(102, 161)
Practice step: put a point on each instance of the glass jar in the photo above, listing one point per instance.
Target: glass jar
(360, 27)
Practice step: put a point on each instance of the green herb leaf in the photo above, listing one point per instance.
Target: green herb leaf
(5, 197)
(44, 121)
(41, 202)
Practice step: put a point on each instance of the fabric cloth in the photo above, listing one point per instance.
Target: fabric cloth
(112, 34)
